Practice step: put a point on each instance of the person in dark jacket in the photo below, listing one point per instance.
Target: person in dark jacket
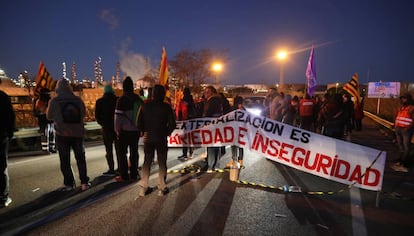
(156, 121)
(127, 132)
(332, 117)
(349, 111)
(212, 108)
(186, 110)
(104, 114)
(7, 127)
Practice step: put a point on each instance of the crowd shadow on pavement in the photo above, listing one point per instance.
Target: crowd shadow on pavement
(55, 201)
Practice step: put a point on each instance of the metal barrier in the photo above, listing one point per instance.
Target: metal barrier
(34, 132)
(387, 124)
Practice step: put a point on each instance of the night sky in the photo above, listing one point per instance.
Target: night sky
(374, 38)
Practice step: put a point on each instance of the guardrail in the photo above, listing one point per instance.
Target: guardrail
(387, 124)
(34, 132)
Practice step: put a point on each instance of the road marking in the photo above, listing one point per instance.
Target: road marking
(358, 218)
(190, 217)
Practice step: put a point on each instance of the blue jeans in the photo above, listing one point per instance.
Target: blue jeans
(64, 145)
(404, 136)
(4, 179)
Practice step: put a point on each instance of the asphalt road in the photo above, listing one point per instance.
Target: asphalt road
(208, 203)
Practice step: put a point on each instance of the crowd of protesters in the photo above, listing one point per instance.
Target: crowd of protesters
(331, 115)
(126, 118)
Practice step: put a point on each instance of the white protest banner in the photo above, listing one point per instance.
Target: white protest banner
(330, 158)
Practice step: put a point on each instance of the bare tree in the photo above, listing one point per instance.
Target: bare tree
(192, 68)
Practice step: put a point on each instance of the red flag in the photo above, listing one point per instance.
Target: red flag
(43, 79)
(352, 87)
(164, 69)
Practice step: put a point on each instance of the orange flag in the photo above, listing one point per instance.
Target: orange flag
(352, 87)
(164, 69)
(43, 79)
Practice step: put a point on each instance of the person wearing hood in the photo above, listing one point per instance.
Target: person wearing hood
(404, 129)
(127, 132)
(104, 114)
(67, 111)
(156, 121)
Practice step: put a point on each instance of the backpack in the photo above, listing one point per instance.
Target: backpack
(71, 113)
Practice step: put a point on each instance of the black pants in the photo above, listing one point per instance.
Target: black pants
(4, 175)
(109, 139)
(128, 139)
(64, 145)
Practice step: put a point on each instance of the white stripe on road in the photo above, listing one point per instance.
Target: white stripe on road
(358, 218)
(189, 218)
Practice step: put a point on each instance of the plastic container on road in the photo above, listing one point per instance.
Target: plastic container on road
(292, 189)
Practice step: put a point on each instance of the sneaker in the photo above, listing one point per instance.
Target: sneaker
(399, 167)
(109, 173)
(134, 177)
(85, 186)
(120, 179)
(163, 192)
(66, 188)
(144, 191)
(209, 170)
(6, 202)
(182, 157)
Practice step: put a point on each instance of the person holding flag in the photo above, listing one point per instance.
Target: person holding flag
(44, 84)
(352, 87)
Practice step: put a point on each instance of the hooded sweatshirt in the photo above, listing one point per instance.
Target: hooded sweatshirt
(156, 118)
(57, 105)
(127, 108)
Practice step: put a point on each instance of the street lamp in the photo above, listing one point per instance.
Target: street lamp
(336, 87)
(281, 56)
(217, 68)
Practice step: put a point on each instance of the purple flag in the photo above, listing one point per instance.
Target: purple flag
(311, 74)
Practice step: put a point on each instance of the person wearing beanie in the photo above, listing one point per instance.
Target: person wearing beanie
(126, 130)
(104, 114)
(67, 111)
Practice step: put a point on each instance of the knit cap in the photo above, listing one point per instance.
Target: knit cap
(108, 89)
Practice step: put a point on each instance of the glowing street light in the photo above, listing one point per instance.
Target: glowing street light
(336, 87)
(217, 68)
(281, 56)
